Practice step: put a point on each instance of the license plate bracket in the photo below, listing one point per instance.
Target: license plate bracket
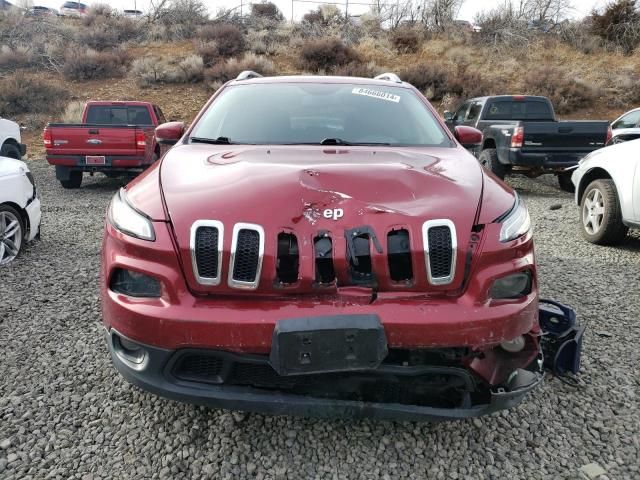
(327, 344)
(95, 160)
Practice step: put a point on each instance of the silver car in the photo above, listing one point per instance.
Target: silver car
(607, 185)
(626, 127)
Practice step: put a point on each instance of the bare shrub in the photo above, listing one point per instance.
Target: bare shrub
(149, 70)
(325, 54)
(228, 39)
(208, 52)
(358, 69)
(11, 60)
(22, 95)
(406, 40)
(179, 19)
(429, 78)
(565, 92)
(89, 65)
(266, 10)
(73, 112)
(231, 68)
(191, 69)
(618, 24)
(103, 28)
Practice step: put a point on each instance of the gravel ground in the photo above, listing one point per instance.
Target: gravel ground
(66, 413)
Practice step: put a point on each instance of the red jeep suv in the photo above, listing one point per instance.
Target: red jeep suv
(322, 246)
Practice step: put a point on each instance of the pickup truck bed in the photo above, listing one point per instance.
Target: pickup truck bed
(115, 148)
(521, 134)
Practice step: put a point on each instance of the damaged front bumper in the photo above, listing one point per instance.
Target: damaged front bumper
(247, 382)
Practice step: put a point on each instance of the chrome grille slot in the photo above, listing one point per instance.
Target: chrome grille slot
(439, 237)
(247, 251)
(206, 251)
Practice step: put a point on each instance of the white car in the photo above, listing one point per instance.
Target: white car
(19, 208)
(10, 142)
(626, 127)
(607, 185)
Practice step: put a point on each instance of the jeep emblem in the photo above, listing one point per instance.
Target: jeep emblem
(334, 213)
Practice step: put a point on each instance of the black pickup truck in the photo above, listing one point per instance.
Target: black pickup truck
(521, 134)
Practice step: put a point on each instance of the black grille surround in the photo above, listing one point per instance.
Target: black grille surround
(439, 237)
(440, 386)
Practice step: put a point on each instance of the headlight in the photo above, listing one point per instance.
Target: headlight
(129, 220)
(516, 222)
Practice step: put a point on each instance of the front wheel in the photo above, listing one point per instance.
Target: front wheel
(601, 214)
(489, 160)
(564, 180)
(11, 234)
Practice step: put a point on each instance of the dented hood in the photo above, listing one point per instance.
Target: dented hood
(307, 190)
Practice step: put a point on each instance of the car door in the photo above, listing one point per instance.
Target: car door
(459, 117)
(636, 190)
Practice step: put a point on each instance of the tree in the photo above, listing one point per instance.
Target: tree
(618, 24)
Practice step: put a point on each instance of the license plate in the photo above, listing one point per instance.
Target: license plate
(95, 160)
(327, 344)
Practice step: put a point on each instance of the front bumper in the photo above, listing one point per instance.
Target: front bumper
(35, 214)
(153, 373)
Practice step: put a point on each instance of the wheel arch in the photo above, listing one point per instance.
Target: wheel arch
(488, 143)
(23, 214)
(13, 142)
(597, 173)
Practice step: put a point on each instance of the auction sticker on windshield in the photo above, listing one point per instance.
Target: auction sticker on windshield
(367, 92)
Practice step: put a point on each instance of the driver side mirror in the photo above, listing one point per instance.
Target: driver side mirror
(467, 136)
(169, 133)
(448, 116)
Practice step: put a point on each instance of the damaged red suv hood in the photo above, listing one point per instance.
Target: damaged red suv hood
(307, 191)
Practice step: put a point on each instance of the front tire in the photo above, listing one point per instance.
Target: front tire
(566, 185)
(489, 159)
(601, 214)
(74, 180)
(11, 234)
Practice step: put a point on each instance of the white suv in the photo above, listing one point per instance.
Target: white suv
(10, 142)
(19, 208)
(607, 185)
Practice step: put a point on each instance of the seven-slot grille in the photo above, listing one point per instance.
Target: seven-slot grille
(247, 251)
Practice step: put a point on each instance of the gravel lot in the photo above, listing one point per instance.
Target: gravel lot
(66, 413)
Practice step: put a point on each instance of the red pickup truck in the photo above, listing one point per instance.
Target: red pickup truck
(114, 138)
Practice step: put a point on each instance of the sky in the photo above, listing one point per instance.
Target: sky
(469, 9)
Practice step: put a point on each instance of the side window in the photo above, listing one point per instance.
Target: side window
(630, 120)
(461, 113)
(474, 112)
(160, 115)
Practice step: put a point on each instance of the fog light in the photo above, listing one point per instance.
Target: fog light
(513, 346)
(128, 350)
(134, 284)
(512, 286)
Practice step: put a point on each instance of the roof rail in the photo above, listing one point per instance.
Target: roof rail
(390, 77)
(248, 74)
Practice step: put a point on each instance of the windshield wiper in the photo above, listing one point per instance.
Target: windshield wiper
(213, 141)
(339, 141)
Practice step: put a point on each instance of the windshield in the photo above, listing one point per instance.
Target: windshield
(303, 113)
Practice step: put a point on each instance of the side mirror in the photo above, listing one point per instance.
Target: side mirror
(467, 136)
(169, 133)
(448, 116)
